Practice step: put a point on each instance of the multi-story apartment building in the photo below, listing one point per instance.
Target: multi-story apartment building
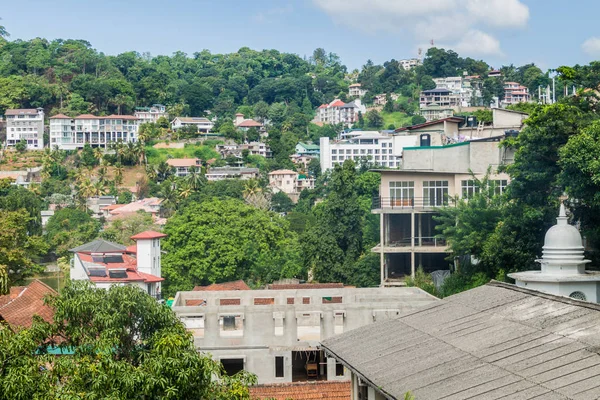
(440, 96)
(200, 123)
(466, 90)
(434, 112)
(356, 90)
(289, 182)
(338, 112)
(25, 124)
(150, 114)
(514, 93)
(410, 63)
(378, 148)
(410, 198)
(275, 333)
(73, 133)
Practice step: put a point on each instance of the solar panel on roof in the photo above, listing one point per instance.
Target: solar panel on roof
(117, 274)
(113, 259)
(97, 272)
(98, 259)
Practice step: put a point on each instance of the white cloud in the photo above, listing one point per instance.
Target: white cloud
(478, 43)
(267, 15)
(591, 46)
(456, 23)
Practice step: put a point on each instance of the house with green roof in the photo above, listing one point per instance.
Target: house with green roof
(307, 149)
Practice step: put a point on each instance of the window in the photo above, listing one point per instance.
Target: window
(333, 151)
(435, 193)
(500, 185)
(348, 151)
(231, 326)
(376, 151)
(279, 371)
(469, 188)
(402, 193)
(578, 296)
(383, 144)
(334, 158)
(362, 151)
(232, 365)
(355, 151)
(339, 369)
(369, 151)
(194, 324)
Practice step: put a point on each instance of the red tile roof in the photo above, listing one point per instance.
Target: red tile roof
(19, 312)
(277, 286)
(132, 249)
(332, 390)
(336, 103)
(148, 235)
(86, 116)
(17, 111)
(249, 123)
(129, 264)
(217, 287)
(15, 291)
(182, 162)
(60, 116)
(323, 106)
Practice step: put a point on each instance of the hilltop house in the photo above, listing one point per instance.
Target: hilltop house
(338, 112)
(150, 114)
(290, 182)
(202, 124)
(25, 124)
(183, 165)
(244, 124)
(106, 264)
(356, 90)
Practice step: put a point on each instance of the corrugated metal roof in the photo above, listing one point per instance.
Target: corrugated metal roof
(495, 341)
(99, 246)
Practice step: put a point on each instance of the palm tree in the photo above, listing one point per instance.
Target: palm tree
(151, 172)
(185, 191)
(102, 173)
(251, 188)
(119, 173)
(194, 179)
(98, 154)
(164, 171)
(169, 196)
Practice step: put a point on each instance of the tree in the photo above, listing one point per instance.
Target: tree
(122, 229)
(69, 228)
(88, 157)
(280, 202)
(417, 119)
(236, 241)
(21, 146)
(16, 198)
(17, 248)
(374, 119)
(335, 242)
(389, 103)
(125, 346)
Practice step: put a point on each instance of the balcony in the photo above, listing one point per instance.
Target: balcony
(409, 204)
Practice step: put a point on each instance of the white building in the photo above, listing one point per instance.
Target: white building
(338, 112)
(563, 269)
(356, 90)
(107, 264)
(73, 133)
(283, 180)
(183, 165)
(221, 173)
(202, 124)
(515, 93)
(410, 63)
(378, 148)
(25, 124)
(150, 114)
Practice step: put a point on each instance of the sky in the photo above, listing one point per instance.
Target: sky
(549, 33)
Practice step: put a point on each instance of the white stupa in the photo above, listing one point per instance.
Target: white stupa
(563, 266)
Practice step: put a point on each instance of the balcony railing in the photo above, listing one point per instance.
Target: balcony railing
(423, 241)
(409, 203)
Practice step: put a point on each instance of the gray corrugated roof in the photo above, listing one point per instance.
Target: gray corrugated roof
(495, 341)
(99, 246)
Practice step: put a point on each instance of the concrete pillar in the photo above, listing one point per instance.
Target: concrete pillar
(354, 388)
(381, 253)
(327, 324)
(420, 230)
(412, 264)
(211, 329)
(290, 328)
(412, 243)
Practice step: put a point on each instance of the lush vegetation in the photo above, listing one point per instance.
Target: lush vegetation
(121, 344)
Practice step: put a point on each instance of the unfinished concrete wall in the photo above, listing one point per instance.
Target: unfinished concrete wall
(259, 325)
